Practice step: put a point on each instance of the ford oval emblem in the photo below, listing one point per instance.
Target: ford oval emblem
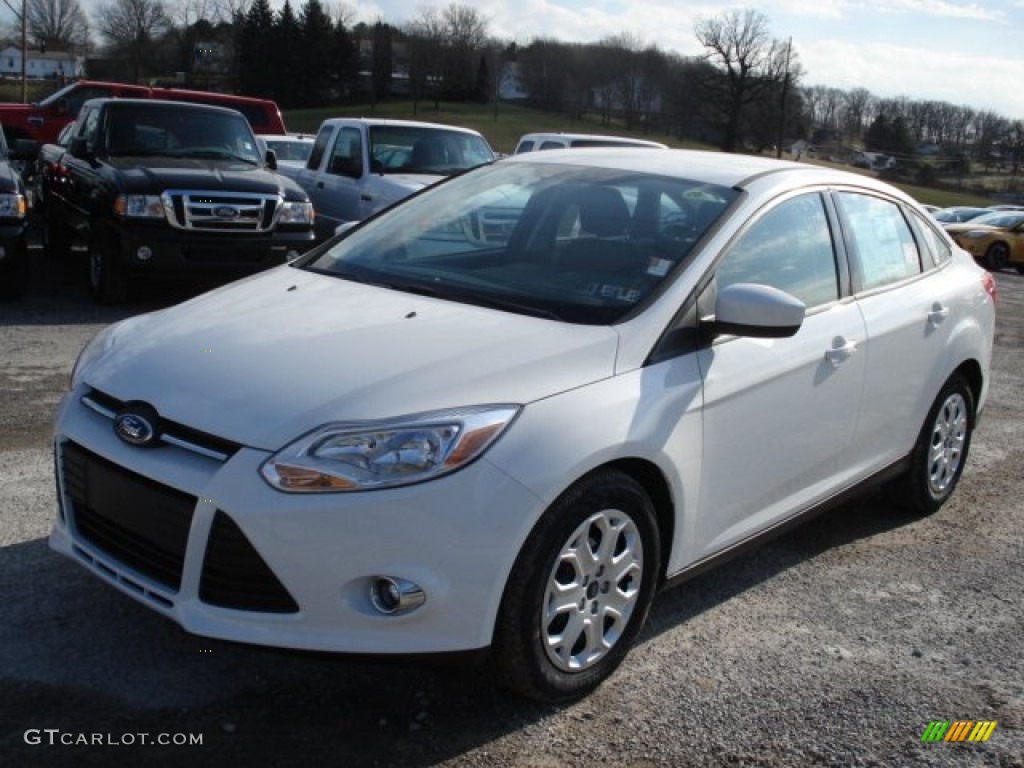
(226, 212)
(135, 429)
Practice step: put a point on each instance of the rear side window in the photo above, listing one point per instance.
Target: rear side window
(549, 144)
(934, 248)
(883, 247)
(790, 248)
(524, 146)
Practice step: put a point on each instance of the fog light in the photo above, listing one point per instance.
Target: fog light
(392, 596)
(144, 253)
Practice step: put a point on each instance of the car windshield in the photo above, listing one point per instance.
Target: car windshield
(290, 149)
(578, 244)
(171, 131)
(419, 149)
(1001, 219)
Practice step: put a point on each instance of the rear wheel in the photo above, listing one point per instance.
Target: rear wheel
(107, 280)
(940, 453)
(997, 256)
(56, 243)
(580, 590)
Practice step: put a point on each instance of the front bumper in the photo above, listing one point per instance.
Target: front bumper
(161, 251)
(209, 544)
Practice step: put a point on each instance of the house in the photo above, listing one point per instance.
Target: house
(40, 65)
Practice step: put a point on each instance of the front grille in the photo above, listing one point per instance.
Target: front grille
(229, 212)
(235, 576)
(137, 521)
(171, 432)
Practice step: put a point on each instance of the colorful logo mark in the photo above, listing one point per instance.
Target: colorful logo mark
(958, 730)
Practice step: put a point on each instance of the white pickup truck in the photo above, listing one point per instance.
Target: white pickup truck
(359, 166)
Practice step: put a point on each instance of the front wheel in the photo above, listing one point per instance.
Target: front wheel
(107, 280)
(940, 453)
(580, 589)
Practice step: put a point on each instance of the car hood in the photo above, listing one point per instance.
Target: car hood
(269, 358)
(966, 226)
(141, 176)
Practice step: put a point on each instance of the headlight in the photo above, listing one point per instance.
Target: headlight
(13, 206)
(139, 206)
(95, 349)
(293, 212)
(357, 456)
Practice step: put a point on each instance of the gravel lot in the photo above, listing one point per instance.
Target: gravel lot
(834, 645)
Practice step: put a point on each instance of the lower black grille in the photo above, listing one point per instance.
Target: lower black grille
(235, 576)
(137, 521)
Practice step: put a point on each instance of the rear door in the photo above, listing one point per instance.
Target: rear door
(908, 296)
(779, 413)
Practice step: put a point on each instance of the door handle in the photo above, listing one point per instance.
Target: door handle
(937, 314)
(840, 351)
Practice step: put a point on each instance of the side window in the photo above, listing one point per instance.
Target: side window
(74, 100)
(932, 243)
(347, 157)
(552, 144)
(884, 249)
(790, 248)
(316, 155)
(90, 126)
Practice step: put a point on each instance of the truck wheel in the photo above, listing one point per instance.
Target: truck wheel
(579, 591)
(14, 273)
(55, 236)
(106, 277)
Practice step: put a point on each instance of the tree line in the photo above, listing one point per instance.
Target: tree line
(745, 91)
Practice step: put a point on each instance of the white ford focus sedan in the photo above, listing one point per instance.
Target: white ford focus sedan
(500, 416)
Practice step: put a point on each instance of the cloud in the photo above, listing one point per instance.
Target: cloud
(941, 75)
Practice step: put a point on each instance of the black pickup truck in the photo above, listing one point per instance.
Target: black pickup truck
(159, 189)
(14, 267)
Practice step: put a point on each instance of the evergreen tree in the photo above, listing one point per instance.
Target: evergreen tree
(255, 68)
(316, 71)
(288, 37)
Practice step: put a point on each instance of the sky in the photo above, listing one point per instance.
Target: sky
(959, 51)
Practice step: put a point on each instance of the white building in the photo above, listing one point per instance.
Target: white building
(40, 65)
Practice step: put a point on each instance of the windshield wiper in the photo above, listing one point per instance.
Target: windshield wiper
(467, 297)
(218, 154)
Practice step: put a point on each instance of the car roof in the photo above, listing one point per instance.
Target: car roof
(155, 103)
(720, 168)
(371, 121)
(541, 135)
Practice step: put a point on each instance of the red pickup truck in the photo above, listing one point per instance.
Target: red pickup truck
(43, 121)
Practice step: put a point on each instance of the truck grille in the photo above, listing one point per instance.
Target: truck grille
(220, 211)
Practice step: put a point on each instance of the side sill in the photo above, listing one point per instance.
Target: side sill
(711, 561)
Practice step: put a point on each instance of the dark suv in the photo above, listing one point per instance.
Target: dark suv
(14, 266)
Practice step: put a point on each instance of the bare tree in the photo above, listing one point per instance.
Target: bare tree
(130, 27)
(749, 63)
(60, 25)
(858, 110)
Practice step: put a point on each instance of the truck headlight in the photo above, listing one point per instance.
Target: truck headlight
(358, 456)
(13, 206)
(139, 206)
(295, 212)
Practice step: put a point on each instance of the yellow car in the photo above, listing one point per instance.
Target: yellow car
(996, 239)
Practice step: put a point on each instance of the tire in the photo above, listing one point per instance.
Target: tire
(940, 453)
(56, 244)
(997, 256)
(14, 273)
(557, 655)
(107, 280)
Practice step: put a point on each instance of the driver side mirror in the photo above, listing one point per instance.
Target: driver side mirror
(758, 311)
